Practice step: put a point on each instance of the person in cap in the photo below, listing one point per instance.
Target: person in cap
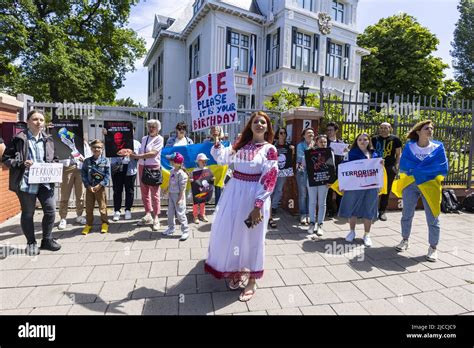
(202, 185)
(176, 197)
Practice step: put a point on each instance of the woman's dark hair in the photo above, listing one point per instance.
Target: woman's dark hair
(333, 124)
(182, 125)
(281, 128)
(412, 134)
(354, 145)
(247, 133)
(32, 112)
(303, 133)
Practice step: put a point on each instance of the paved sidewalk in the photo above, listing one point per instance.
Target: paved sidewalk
(132, 270)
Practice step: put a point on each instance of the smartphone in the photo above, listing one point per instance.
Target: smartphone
(248, 222)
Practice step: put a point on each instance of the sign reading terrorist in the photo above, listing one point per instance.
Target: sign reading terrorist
(213, 101)
(45, 173)
(360, 175)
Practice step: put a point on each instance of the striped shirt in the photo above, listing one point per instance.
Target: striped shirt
(36, 153)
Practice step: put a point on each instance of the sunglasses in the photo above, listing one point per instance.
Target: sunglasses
(282, 133)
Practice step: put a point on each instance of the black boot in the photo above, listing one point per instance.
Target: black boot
(382, 216)
(50, 244)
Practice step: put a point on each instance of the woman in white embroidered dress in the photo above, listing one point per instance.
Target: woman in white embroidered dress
(237, 251)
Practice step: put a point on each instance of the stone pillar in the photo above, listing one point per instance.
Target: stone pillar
(296, 121)
(9, 107)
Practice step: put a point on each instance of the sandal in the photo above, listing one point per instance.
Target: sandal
(272, 223)
(247, 294)
(238, 280)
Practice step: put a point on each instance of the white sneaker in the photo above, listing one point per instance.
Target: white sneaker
(168, 232)
(128, 215)
(350, 237)
(62, 224)
(145, 220)
(367, 241)
(303, 220)
(81, 220)
(307, 220)
(311, 228)
(403, 245)
(184, 236)
(156, 224)
(432, 255)
(116, 216)
(319, 230)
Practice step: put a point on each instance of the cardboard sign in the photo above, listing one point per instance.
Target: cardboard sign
(320, 166)
(119, 136)
(45, 173)
(360, 174)
(213, 100)
(68, 137)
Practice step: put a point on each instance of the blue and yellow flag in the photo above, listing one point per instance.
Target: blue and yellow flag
(427, 174)
(190, 153)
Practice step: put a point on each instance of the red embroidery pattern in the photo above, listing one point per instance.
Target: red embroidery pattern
(245, 177)
(259, 203)
(248, 152)
(272, 154)
(269, 179)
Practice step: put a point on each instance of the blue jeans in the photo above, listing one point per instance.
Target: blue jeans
(302, 180)
(410, 198)
(278, 192)
(317, 194)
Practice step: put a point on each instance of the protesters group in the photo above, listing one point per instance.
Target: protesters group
(247, 205)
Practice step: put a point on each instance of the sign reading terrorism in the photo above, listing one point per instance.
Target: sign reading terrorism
(213, 101)
(360, 175)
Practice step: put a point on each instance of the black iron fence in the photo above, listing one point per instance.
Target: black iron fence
(453, 120)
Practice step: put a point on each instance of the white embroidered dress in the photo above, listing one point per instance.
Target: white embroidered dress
(233, 247)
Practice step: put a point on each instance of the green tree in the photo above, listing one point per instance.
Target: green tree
(67, 50)
(401, 59)
(463, 48)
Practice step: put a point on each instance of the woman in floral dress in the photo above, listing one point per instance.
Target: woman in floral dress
(237, 242)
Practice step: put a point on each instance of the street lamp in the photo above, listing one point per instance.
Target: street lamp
(303, 93)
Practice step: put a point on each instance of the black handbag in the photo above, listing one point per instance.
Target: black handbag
(151, 177)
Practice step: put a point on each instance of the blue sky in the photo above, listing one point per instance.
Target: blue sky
(439, 16)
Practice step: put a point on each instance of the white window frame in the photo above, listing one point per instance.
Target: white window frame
(306, 4)
(196, 60)
(302, 46)
(338, 10)
(243, 50)
(336, 60)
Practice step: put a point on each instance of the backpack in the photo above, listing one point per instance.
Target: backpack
(468, 203)
(449, 202)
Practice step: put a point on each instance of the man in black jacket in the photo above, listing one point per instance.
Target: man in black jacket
(29, 147)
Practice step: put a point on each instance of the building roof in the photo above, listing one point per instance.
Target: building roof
(186, 20)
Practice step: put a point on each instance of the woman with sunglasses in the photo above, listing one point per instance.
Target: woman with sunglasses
(286, 153)
(180, 139)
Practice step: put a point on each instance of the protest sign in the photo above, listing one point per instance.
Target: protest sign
(68, 137)
(338, 148)
(360, 174)
(320, 166)
(45, 173)
(213, 100)
(119, 136)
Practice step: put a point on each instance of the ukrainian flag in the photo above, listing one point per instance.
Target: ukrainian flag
(427, 174)
(190, 153)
